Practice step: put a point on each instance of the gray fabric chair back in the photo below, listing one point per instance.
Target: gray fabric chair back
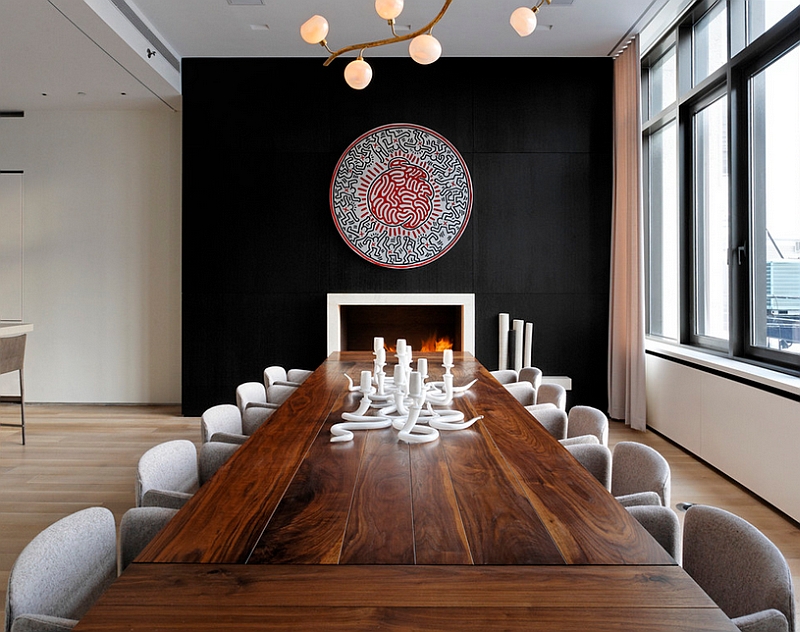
(553, 419)
(587, 420)
(640, 468)
(275, 375)
(594, 457)
(663, 524)
(251, 398)
(65, 568)
(505, 376)
(138, 526)
(212, 456)
(552, 394)
(523, 392)
(168, 469)
(222, 419)
(12, 353)
(737, 565)
(279, 393)
(531, 374)
(298, 376)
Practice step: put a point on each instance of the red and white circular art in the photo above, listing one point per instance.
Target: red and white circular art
(401, 196)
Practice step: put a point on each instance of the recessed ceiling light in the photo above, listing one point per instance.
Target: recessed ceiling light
(260, 27)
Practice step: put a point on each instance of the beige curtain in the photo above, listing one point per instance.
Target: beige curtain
(626, 364)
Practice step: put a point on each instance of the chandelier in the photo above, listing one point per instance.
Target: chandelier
(423, 48)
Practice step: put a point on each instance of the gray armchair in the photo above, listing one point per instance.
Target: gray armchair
(587, 420)
(640, 474)
(251, 398)
(596, 458)
(222, 422)
(138, 526)
(662, 523)
(61, 572)
(166, 475)
(739, 568)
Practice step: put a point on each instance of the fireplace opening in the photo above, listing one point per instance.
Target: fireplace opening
(425, 327)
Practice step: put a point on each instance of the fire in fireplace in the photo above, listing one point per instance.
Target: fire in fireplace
(428, 322)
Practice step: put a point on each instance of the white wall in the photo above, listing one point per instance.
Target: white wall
(102, 253)
(749, 434)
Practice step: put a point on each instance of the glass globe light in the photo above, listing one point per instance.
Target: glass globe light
(358, 74)
(389, 9)
(425, 49)
(523, 20)
(314, 30)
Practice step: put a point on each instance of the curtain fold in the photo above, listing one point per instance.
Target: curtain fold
(626, 358)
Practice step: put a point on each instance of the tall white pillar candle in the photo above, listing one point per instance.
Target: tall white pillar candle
(401, 346)
(422, 367)
(377, 343)
(502, 353)
(380, 356)
(527, 360)
(519, 326)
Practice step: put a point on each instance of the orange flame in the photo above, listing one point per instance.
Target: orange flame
(430, 344)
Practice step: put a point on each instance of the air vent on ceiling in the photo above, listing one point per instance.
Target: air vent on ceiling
(562, 2)
(140, 26)
(12, 114)
(247, 3)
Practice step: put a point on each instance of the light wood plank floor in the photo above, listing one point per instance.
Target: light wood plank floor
(79, 456)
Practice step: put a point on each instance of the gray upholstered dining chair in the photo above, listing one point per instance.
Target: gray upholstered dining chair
(531, 374)
(251, 399)
(278, 375)
(223, 423)
(739, 568)
(523, 392)
(167, 475)
(587, 420)
(663, 524)
(505, 376)
(279, 393)
(594, 457)
(138, 526)
(553, 419)
(61, 572)
(211, 457)
(639, 475)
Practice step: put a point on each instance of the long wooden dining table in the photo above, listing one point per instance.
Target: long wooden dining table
(495, 526)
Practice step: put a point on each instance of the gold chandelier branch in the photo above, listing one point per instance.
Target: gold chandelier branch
(390, 40)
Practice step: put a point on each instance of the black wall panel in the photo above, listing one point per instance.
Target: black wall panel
(260, 251)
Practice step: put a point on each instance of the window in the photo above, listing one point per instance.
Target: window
(710, 265)
(774, 126)
(764, 14)
(721, 148)
(663, 238)
(710, 45)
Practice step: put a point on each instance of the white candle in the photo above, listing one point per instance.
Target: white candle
(377, 344)
(380, 356)
(422, 367)
(528, 359)
(399, 375)
(414, 383)
(401, 346)
(519, 326)
(447, 357)
(366, 381)
(502, 354)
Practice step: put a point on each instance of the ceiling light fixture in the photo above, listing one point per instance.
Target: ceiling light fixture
(424, 47)
(524, 19)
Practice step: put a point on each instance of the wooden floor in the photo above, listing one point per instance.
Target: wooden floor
(79, 456)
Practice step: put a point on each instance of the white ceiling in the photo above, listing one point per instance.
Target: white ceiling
(85, 54)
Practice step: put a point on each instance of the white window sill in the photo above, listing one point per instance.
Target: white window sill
(767, 377)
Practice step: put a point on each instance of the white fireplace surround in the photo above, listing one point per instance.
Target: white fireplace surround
(465, 301)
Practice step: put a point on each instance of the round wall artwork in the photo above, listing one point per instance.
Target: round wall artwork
(401, 196)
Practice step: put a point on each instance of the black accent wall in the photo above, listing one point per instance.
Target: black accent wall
(261, 138)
